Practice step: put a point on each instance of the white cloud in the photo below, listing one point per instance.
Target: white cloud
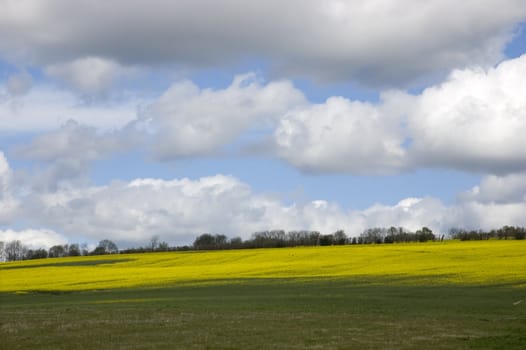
(474, 121)
(410, 213)
(471, 122)
(180, 209)
(187, 120)
(33, 238)
(65, 155)
(383, 42)
(176, 210)
(509, 189)
(8, 202)
(91, 76)
(19, 84)
(474, 215)
(45, 108)
(132, 212)
(72, 140)
(495, 202)
(184, 121)
(342, 136)
(13, 90)
(4, 167)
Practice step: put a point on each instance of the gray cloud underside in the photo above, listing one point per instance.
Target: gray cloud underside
(379, 43)
(65, 155)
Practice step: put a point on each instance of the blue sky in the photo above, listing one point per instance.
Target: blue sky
(159, 119)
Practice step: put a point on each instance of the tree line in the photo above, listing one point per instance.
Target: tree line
(377, 235)
(280, 238)
(505, 232)
(15, 250)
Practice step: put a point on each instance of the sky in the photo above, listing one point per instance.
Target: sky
(125, 120)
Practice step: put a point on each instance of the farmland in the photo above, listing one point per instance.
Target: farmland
(439, 295)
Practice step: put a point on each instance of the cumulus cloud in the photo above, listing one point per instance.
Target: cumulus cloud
(131, 212)
(184, 121)
(498, 189)
(44, 108)
(484, 207)
(410, 213)
(342, 136)
(91, 76)
(19, 84)
(4, 167)
(66, 153)
(178, 210)
(13, 90)
(33, 238)
(474, 215)
(8, 202)
(187, 120)
(72, 140)
(474, 121)
(378, 43)
(496, 201)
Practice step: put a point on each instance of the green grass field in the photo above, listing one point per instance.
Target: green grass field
(453, 295)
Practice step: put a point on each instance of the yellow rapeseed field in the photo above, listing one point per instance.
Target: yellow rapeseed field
(481, 262)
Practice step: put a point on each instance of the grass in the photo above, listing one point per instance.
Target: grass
(460, 295)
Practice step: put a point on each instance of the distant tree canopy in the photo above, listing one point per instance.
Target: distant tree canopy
(208, 241)
(15, 250)
(261, 239)
(105, 247)
(280, 238)
(57, 251)
(395, 235)
(505, 232)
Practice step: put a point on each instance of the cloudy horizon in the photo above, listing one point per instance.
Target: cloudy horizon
(125, 121)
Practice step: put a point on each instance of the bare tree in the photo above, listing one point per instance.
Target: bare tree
(84, 249)
(154, 242)
(2, 252)
(163, 246)
(14, 250)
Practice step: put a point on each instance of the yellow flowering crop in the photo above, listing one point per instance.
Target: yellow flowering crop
(481, 262)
